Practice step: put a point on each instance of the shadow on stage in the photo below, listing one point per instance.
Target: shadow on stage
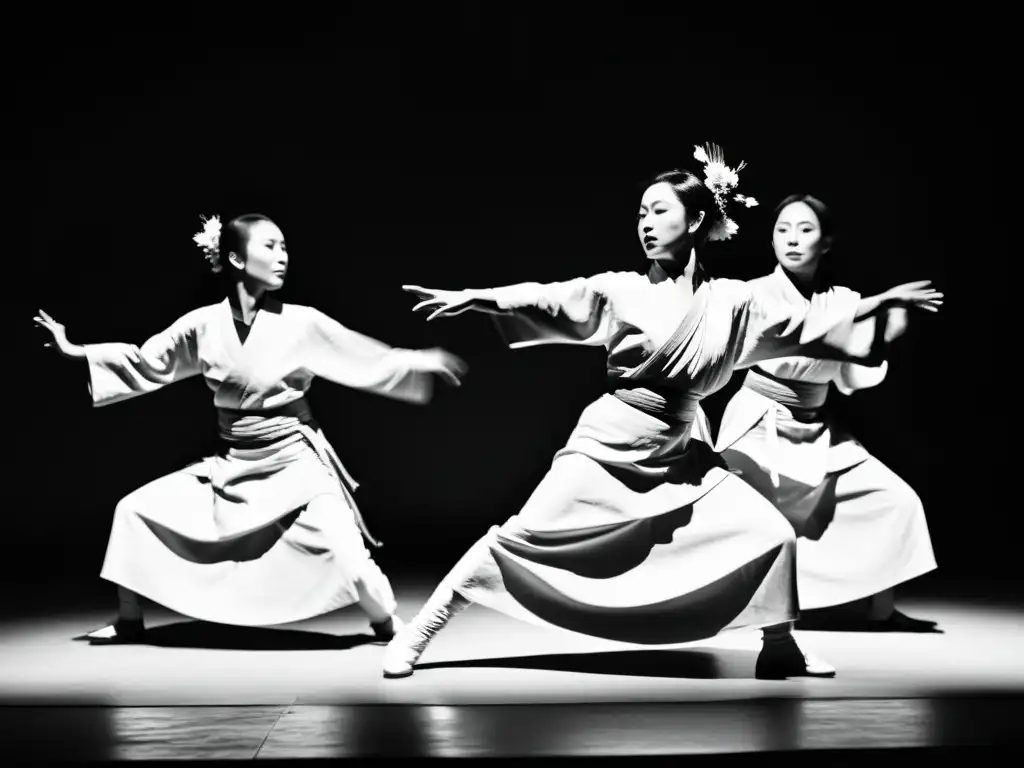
(200, 634)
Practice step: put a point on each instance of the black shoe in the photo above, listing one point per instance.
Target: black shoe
(126, 632)
(835, 621)
(781, 658)
(900, 622)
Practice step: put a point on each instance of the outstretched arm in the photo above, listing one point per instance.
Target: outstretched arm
(526, 314)
(890, 308)
(833, 327)
(352, 359)
(918, 294)
(852, 377)
(120, 371)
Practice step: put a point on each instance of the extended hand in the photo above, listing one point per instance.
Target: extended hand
(58, 336)
(917, 294)
(449, 367)
(444, 303)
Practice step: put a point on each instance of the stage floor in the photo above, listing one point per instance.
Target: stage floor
(314, 689)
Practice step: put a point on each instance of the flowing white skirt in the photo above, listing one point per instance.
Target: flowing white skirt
(636, 537)
(861, 528)
(256, 537)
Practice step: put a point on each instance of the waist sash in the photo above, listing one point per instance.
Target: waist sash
(244, 429)
(660, 402)
(802, 395)
(806, 395)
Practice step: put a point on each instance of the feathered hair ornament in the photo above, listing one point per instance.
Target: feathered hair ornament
(722, 181)
(208, 239)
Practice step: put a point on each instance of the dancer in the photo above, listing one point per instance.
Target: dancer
(637, 534)
(267, 532)
(861, 529)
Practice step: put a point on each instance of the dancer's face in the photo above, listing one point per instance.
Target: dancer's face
(663, 226)
(266, 256)
(798, 242)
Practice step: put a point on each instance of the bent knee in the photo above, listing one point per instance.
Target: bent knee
(335, 524)
(361, 571)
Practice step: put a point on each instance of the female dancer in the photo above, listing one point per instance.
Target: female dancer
(637, 534)
(268, 531)
(861, 529)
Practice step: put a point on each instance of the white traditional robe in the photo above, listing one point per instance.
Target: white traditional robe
(637, 534)
(862, 529)
(233, 538)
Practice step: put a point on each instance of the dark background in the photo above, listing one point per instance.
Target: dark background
(472, 149)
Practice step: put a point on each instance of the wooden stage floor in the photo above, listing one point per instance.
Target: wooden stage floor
(493, 687)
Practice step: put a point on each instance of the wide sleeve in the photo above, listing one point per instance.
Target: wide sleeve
(351, 359)
(852, 377)
(769, 327)
(119, 371)
(572, 312)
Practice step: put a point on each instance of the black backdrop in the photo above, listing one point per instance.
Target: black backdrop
(476, 149)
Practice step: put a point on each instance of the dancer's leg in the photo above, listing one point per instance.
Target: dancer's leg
(129, 606)
(330, 519)
(782, 657)
(882, 605)
(129, 626)
(325, 529)
(163, 497)
(409, 644)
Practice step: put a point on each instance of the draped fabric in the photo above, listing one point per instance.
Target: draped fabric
(862, 529)
(267, 531)
(639, 534)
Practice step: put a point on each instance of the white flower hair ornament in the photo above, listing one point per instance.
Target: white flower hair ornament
(722, 181)
(209, 241)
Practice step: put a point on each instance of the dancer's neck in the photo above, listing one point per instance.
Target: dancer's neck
(806, 281)
(672, 269)
(245, 301)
